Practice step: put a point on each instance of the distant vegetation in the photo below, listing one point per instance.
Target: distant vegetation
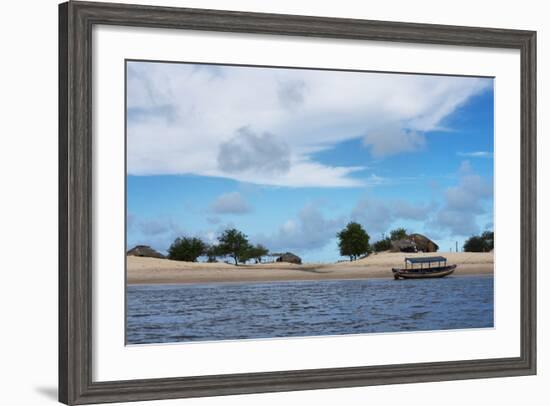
(353, 241)
(256, 253)
(398, 234)
(212, 253)
(480, 243)
(232, 243)
(384, 244)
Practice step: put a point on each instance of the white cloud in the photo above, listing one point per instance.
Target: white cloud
(185, 119)
(390, 141)
(379, 215)
(310, 230)
(213, 220)
(292, 93)
(463, 203)
(250, 152)
(154, 227)
(230, 203)
(476, 154)
(130, 221)
(158, 233)
(457, 214)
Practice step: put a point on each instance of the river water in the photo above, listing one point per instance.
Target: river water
(229, 311)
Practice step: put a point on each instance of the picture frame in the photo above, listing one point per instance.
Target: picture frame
(76, 352)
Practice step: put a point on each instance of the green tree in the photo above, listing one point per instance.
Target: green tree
(353, 241)
(212, 252)
(234, 244)
(476, 244)
(256, 253)
(480, 243)
(398, 234)
(382, 245)
(186, 249)
(489, 237)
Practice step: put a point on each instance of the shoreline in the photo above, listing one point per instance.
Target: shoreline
(242, 282)
(151, 271)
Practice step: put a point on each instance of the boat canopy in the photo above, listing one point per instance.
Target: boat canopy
(425, 260)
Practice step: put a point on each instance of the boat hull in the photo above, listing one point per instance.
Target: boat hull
(439, 272)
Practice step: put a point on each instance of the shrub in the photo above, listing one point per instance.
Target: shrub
(480, 243)
(186, 249)
(382, 245)
(256, 253)
(398, 234)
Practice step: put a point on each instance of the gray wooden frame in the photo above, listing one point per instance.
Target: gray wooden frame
(76, 20)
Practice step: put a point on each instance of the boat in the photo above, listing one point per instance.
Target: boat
(424, 268)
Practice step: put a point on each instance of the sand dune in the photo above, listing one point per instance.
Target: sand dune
(153, 270)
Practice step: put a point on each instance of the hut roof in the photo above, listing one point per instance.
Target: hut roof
(422, 239)
(144, 251)
(403, 243)
(290, 257)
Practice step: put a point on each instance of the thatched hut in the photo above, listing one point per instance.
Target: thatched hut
(423, 243)
(403, 245)
(414, 243)
(144, 251)
(290, 258)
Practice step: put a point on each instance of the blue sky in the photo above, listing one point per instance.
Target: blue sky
(289, 156)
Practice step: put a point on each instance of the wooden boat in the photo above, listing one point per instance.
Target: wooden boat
(425, 270)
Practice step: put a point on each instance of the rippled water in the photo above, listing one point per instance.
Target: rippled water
(178, 313)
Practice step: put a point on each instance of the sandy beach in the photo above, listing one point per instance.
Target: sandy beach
(141, 270)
